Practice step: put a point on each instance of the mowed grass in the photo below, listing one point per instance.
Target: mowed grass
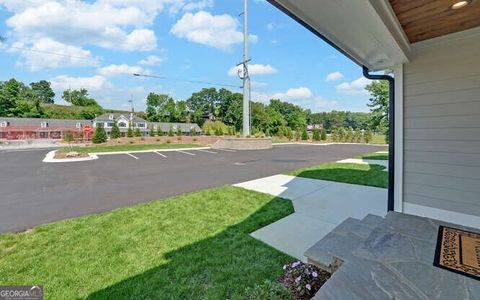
(378, 139)
(374, 156)
(128, 147)
(194, 246)
(371, 175)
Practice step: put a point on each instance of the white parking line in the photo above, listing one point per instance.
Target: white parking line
(162, 155)
(227, 150)
(207, 151)
(184, 152)
(131, 155)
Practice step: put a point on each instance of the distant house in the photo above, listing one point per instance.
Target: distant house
(124, 121)
(30, 128)
(312, 127)
(186, 128)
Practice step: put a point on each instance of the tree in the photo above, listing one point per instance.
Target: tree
(170, 131)
(304, 135)
(10, 92)
(151, 132)
(130, 132)
(323, 135)
(43, 91)
(204, 102)
(115, 133)
(316, 135)
(78, 98)
(379, 105)
(100, 136)
(137, 132)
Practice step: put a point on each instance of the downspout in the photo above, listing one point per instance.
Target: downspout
(391, 133)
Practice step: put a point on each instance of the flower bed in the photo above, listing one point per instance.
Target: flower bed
(303, 280)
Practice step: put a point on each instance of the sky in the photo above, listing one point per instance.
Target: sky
(99, 44)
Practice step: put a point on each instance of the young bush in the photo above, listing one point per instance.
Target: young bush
(335, 137)
(151, 132)
(159, 131)
(193, 132)
(288, 133)
(137, 132)
(100, 136)
(316, 135)
(115, 133)
(304, 135)
(323, 135)
(357, 136)
(170, 132)
(68, 136)
(298, 134)
(367, 136)
(130, 132)
(342, 134)
(217, 128)
(169, 141)
(179, 130)
(349, 136)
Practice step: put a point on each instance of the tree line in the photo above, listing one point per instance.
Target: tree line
(36, 100)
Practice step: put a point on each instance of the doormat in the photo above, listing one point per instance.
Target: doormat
(458, 251)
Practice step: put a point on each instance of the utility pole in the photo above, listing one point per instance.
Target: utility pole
(246, 75)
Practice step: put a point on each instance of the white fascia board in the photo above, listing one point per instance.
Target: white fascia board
(356, 27)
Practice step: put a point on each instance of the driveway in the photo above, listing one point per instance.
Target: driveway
(32, 192)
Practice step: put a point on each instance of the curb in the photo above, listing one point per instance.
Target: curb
(49, 158)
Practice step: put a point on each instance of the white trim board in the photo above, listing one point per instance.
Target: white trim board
(398, 132)
(442, 215)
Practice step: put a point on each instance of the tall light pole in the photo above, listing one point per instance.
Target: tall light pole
(246, 76)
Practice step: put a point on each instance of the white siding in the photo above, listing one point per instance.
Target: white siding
(442, 126)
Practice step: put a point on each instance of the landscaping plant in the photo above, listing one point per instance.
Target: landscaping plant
(159, 131)
(130, 132)
(304, 135)
(170, 131)
(298, 135)
(100, 136)
(367, 136)
(179, 130)
(303, 280)
(316, 135)
(193, 132)
(323, 135)
(137, 132)
(115, 133)
(151, 132)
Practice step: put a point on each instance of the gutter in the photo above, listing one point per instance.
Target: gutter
(391, 132)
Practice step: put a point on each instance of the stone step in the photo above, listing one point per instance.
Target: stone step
(373, 220)
(338, 245)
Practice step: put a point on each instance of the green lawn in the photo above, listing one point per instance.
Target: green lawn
(378, 139)
(194, 246)
(374, 156)
(371, 175)
(128, 147)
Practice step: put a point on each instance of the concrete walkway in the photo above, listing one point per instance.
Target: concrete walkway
(319, 207)
(383, 163)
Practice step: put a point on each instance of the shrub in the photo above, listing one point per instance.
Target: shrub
(304, 135)
(170, 131)
(195, 139)
(132, 142)
(335, 137)
(179, 138)
(100, 136)
(316, 135)
(289, 133)
(368, 136)
(159, 131)
(142, 139)
(323, 135)
(130, 132)
(137, 132)
(158, 140)
(298, 135)
(217, 127)
(349, 136)
(169, 141)
(341, 134)
(303, 280)
(357, 136)
(193, 131)
(179, 130)
(119, 142)
(151, 132)
(115, 133)
(68, 136)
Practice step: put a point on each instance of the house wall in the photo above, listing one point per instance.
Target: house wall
(442, 128)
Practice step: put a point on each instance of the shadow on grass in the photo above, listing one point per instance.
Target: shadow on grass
(369, 175)
(219, 267)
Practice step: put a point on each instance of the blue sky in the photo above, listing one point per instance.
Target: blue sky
(99, 44)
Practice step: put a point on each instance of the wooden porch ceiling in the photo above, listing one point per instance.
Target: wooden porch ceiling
(426, 19)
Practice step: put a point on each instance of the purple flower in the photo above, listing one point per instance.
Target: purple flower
(297, 280)
(309, 287)
(314, 274)
(295, 264)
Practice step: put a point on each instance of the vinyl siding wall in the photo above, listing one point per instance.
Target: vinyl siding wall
(442, 125)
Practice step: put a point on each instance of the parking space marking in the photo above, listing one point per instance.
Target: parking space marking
(227, 150)
(162, 155)
(207, 151)
(185, 152)
(131, 155)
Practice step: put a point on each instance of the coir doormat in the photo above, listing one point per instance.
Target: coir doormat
(458, 251)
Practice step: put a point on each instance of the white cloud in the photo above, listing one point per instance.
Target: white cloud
(300, 93)
(301, 96)
(151, 60)
(334, 76)
(199, 5)
(94, 83)
(46, 53)
(253, 69)
(258, 84)
(124, 69)
(217, 31)
(355, 87)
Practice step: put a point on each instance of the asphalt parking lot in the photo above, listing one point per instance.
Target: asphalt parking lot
(33, 192)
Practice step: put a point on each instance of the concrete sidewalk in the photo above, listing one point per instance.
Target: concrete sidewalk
(319, 207)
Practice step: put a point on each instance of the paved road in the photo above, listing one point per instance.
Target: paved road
(32, 192)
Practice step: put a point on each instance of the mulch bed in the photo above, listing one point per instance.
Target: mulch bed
(306, 272)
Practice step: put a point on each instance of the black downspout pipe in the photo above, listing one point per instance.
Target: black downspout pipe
(391, 133)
